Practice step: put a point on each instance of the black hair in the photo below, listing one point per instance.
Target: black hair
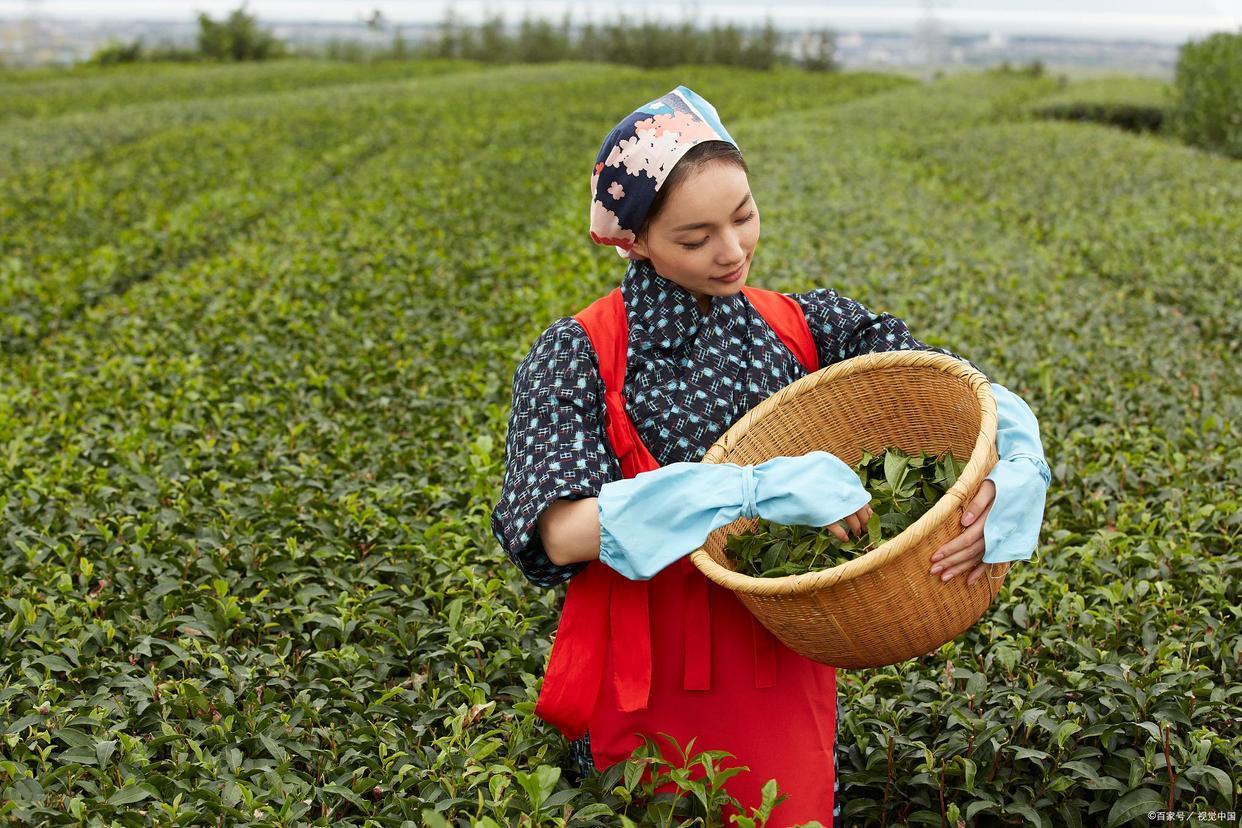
(697, 157)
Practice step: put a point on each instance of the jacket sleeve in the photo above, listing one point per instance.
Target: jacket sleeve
(555, 446)
(843, 328)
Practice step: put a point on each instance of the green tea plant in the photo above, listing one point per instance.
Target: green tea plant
(903, 487)
(1208, 80)
(699, 797)
(625, 794)
(1136, 104)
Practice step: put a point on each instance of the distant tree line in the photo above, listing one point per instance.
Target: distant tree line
(647, 44)
(237, 37)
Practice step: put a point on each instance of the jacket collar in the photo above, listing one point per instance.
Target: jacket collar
(663, 317)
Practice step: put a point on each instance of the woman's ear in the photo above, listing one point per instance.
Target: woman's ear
(640, 247)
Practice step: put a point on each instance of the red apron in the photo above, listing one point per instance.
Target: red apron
(711, 671)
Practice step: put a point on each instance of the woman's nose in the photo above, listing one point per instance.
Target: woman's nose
(732, 251)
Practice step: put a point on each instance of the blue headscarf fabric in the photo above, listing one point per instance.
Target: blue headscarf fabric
(637, 157)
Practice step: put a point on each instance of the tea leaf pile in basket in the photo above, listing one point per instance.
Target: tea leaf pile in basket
(902, 486)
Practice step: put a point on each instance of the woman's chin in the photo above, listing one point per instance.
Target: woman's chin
(730, 288)
(722, 288)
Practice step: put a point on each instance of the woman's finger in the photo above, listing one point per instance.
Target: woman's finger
(852, 522)
(971, 534)
(970, 563)
(981, 502)
(954, 559)
(835, 528)
(976, 573)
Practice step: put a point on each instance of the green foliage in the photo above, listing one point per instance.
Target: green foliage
(1135, 104)
(237, 37)
(247, 574)
(646, 44)
(697, 777)
(117, 52)
(1033, 69)
(1209, 93)
(190, 94)
(819, 52)
(903, 488)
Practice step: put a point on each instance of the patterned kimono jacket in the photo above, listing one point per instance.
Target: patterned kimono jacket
(689, 376)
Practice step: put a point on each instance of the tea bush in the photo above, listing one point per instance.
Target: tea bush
(1209, 90)
(43, 92)
(247, 470)
(1136, 104)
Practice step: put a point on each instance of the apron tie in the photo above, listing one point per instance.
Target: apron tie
(631, 642)
(697, 666)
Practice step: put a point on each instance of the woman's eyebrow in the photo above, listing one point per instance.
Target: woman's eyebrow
(697, 225)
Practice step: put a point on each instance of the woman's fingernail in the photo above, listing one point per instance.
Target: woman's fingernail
(944, 577)
(936, 568)
(968, 518)
(936, 557)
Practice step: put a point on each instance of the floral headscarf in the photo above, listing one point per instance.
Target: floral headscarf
(638, 155)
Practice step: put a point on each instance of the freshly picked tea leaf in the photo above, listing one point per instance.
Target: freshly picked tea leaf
(902, 486)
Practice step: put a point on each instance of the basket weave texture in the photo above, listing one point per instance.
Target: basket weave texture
(884, 606)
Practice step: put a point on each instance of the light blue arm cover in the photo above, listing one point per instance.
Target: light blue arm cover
(1021, 475)
(649, 521)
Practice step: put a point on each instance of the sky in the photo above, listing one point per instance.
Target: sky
(1169, 20)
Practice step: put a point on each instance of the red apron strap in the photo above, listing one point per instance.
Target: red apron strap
(765, 653)
(608, 329)
(697, 660)
(576, 663)
(631, 642)
(619, 613)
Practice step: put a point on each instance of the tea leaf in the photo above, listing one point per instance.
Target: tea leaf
(903, 488)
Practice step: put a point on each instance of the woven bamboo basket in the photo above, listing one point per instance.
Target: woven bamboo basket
(884, 606)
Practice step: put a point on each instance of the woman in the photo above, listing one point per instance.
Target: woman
(649, 377)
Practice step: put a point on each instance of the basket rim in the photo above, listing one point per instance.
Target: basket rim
(977, 467)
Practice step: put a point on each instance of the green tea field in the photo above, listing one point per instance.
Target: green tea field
(258, 328)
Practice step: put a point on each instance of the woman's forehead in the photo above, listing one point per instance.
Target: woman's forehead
(711, 194)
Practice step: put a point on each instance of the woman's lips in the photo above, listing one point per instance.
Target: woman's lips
(732, 277)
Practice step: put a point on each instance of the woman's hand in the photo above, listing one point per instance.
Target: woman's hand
(856, 522)
(965, 552)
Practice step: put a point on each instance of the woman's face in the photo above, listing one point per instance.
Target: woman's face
(708, 228)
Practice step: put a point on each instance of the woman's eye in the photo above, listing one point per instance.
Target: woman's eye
(697, 245)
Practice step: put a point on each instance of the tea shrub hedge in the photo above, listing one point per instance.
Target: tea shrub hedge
(48, 92)
(1136, 104)
(1209, 92)
(254, 386)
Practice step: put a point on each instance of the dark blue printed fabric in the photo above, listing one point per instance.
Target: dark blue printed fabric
(689, 376)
